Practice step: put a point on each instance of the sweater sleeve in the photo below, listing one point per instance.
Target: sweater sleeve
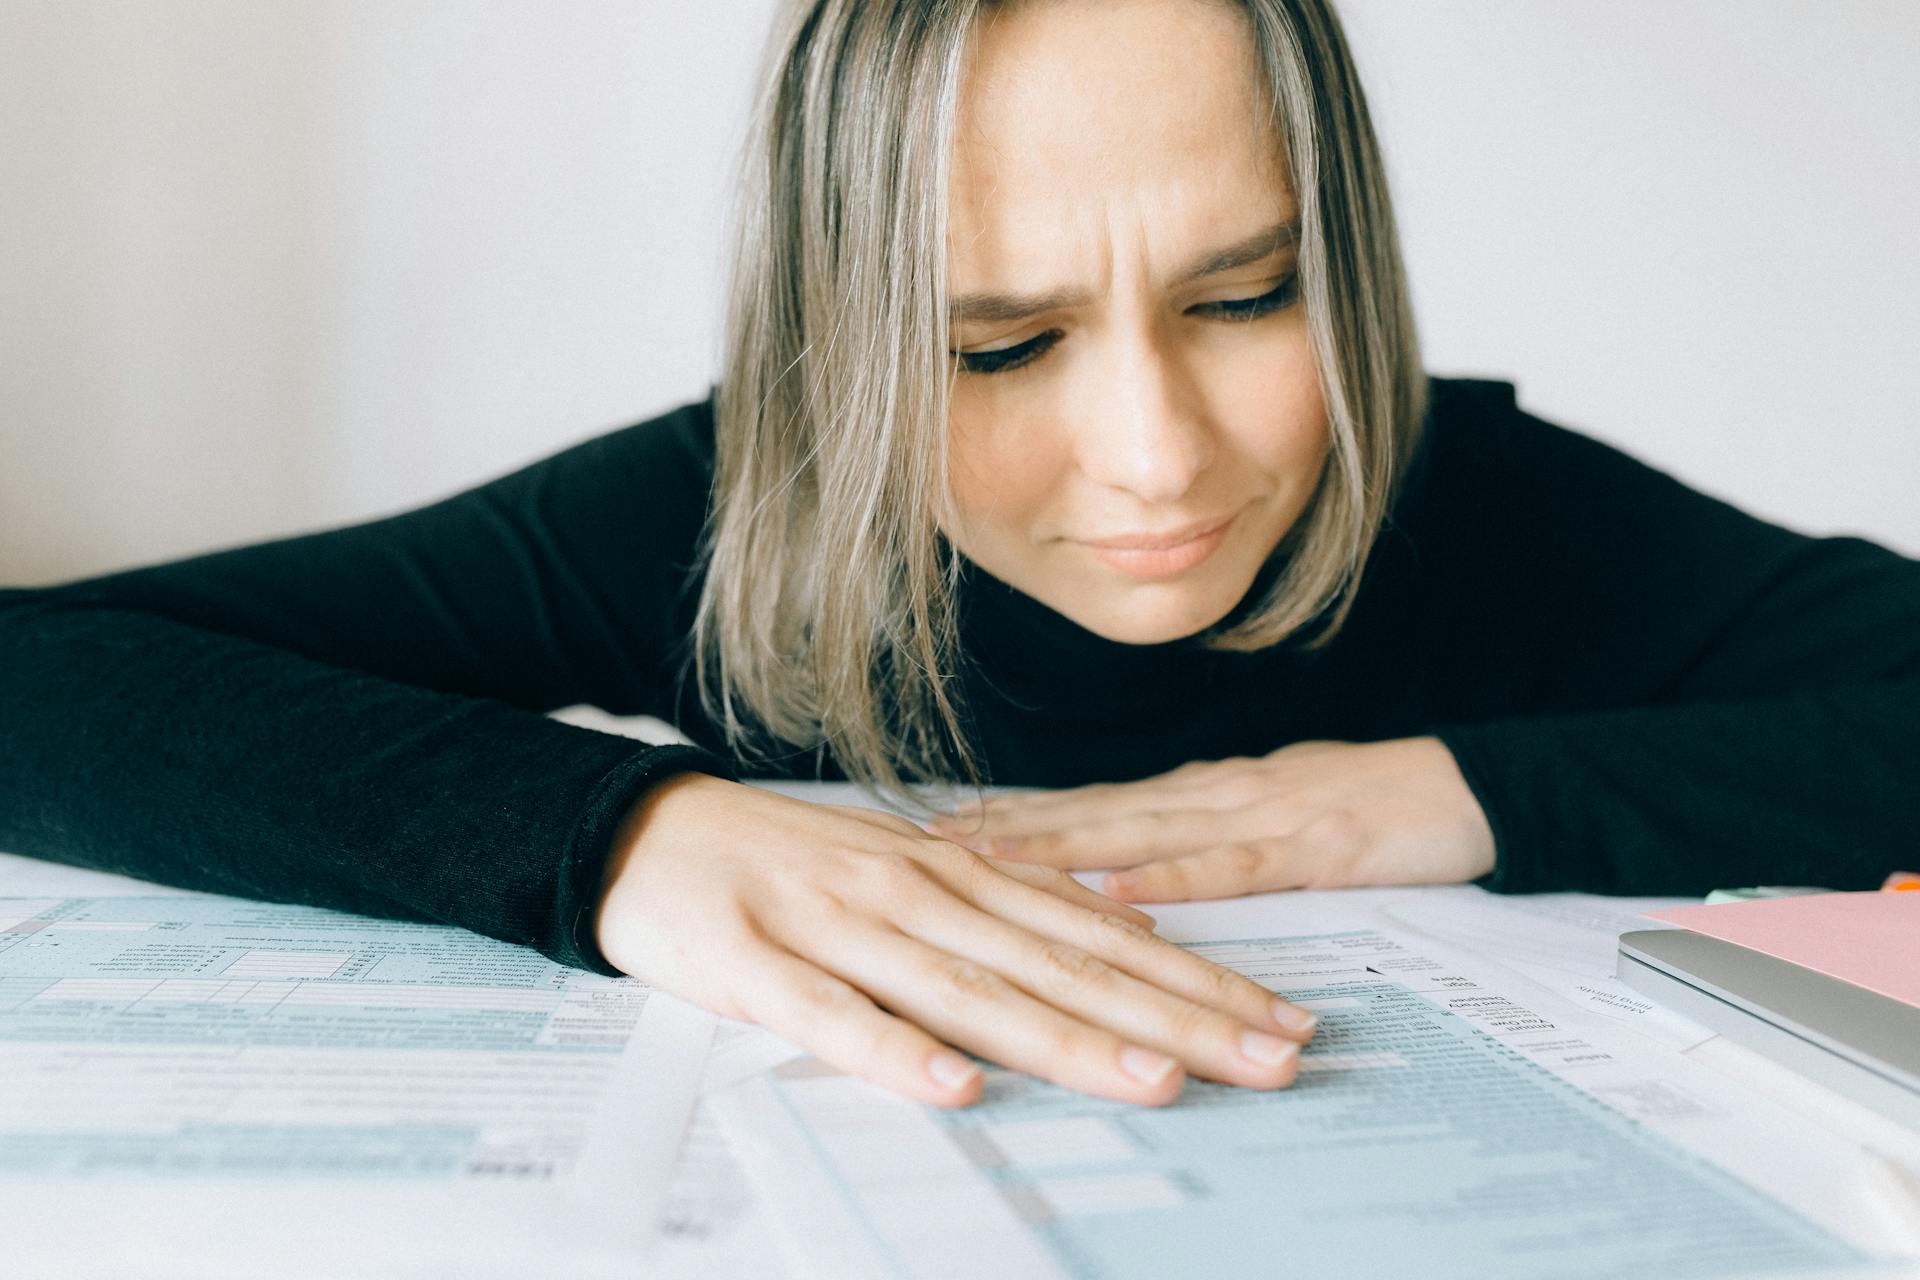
(1687, 697)
(353, 719)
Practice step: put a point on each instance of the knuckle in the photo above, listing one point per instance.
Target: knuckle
(894, 822)
(800, 1001)
(935, 854)
(1192, 1023)
(940, 851)
(1221, 984)
(1069, 968)
(1070, 1042)
(962, 871)
(1108, 924)
(822, 995)
(889, 878)
(1031, 843)
(1165, 877)
(1033, 875)
(1240, 789)
(1245, 859)
(1335, 832)
(966, 982)
(827, 904)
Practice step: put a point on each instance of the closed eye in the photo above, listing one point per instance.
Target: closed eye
(1274, 299)
(1001, 359)
(1007, 359)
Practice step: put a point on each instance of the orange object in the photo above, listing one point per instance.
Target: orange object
(1902, 880)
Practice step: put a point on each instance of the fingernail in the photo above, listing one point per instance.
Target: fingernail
(1268, 1051)
(1145, 1065)
(1292, 1017)
(949, 1070)
(1117, 883)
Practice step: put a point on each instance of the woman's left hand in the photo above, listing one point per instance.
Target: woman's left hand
(1308, 816)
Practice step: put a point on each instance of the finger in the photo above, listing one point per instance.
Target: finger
(1132, 948)
(968, 1004)
(1033, 808)
(1059, 884)
(1193, 782)
(1251, 866)
(1118, 842)
(1015, 812)
(837, 1024)
(1205, 1040)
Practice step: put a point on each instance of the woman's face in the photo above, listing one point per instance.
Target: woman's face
(1137, 419)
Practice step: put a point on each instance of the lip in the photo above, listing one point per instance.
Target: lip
(1163, 554)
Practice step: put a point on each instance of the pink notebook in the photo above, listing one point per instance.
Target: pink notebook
(1869, 939)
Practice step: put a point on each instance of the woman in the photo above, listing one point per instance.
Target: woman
(1072, 432)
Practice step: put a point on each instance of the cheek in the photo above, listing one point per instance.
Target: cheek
(1003, 467)
(1274, 413)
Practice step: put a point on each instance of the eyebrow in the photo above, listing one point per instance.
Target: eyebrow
(1001, 308)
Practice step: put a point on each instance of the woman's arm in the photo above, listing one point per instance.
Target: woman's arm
(1632, 688)
(353, 718)
(1691, 696)
(1787, 753)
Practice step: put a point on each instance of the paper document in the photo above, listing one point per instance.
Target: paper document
(1567, 943)
(711, 1224)
(332, 1093)
(1442, 1125)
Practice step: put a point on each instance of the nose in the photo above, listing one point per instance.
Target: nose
(1147, 432)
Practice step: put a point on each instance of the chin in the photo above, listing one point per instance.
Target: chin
(1159, 614)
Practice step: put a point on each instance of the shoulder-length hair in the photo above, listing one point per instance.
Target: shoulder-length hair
(827, 616)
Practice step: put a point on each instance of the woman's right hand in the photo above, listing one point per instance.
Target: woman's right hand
(881, 948)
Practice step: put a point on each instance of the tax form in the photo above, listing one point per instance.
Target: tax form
(207, 1085)
(1567, 942)
(1445, 1123)
(711, 1225)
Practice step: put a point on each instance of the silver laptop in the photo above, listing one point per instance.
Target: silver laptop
(1854, 1041)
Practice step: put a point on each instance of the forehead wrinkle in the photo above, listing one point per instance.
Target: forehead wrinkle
(983, 308)
(995, 107)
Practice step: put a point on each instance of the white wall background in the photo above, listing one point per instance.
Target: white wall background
(270, 267)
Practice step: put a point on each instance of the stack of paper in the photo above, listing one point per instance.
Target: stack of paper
(199, 1085)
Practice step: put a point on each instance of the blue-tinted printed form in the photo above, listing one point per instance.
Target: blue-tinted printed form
(189, 1037)
(196, 1086)
(1425, 1136)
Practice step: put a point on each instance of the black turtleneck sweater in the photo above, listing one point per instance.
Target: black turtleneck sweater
(1648, 690)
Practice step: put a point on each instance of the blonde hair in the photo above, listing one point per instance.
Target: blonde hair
(827, 616)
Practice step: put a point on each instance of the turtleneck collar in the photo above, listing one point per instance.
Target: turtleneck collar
(1038, 658)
